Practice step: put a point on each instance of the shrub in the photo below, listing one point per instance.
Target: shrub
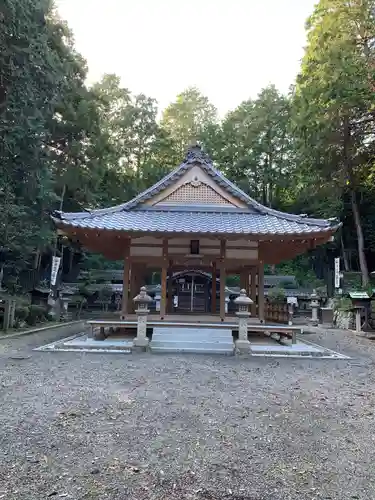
(21, 313)
(343, 304)
(36, 314)
(276, 295)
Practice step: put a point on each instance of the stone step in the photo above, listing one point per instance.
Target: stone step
(193, 350)
(192, 343)
(194, 340)
(195, 332)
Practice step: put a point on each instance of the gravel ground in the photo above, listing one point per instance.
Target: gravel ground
(93, 426)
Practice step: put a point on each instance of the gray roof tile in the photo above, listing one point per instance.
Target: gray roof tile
(195, 222)
(255, 219)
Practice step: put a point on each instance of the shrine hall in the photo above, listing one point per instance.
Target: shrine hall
(195, 218)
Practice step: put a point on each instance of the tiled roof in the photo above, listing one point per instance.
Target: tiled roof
(134, 216)
(196, 222)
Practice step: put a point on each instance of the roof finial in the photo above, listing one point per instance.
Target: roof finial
(195, 153)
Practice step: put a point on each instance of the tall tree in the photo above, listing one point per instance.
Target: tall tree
(129, 122)
(257, 146)
(334, 100)
(186, 119)
(46, 116)
(30, 82)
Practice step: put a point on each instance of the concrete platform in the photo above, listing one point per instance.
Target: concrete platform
(298, 350)
(86, 344)
(193, 343)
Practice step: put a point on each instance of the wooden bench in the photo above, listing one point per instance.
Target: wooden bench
(282, 330)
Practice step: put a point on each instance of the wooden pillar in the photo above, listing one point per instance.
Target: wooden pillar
(136, 281)
(222, 279)
(132, 294)
(163, 298)
(125, 287)
(244, 279)
(170, 288)
(222, 292)
(261, 292)
(213, 288)
(164, 271)
(253, 291)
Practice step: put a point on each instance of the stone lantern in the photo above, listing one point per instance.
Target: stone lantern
(65, 299)
(314, 304)
(142, 301)
(243, 314)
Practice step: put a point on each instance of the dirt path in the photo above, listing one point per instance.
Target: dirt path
(93, 426)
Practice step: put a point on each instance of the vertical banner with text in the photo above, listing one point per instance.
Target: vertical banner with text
(337, 272)
(55, 269)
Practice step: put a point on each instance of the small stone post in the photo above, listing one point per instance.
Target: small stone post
(358, 319)
(157, 301)
(314, 304)
(243, 314)
(142, 300)
(9, 311)
(226, 305)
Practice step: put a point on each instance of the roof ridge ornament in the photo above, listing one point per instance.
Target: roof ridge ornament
(195, 153)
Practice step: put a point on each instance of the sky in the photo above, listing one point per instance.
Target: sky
(229, 49)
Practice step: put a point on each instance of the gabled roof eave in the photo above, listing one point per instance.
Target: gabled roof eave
(195, 156)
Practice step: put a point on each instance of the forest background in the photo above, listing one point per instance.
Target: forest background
(67, 146)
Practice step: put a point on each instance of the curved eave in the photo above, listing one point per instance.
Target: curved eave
(68, 227)
(195, 156)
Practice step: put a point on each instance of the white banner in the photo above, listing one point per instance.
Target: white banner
(337, 272)
(55, 269)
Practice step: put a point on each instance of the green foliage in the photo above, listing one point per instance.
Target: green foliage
(333, 106)
(66, 146)
(300, 267)
(276, 294)
(36, 314)
(343, 304)
(233, 281)
(256, 147)
(93, 261)
(188, 118)
(21, 313)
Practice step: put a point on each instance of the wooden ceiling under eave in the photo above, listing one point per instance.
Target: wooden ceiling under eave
(114, 244)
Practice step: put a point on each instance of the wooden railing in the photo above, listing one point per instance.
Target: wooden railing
(276, 312)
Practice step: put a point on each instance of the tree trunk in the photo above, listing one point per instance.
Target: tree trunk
(361, 241)
(347, 149)
(37, 259)
(344, 255)
(1, 276)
